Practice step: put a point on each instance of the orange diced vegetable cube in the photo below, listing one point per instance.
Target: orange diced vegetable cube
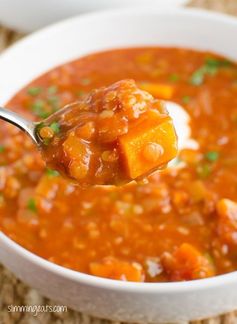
(187, 263)
(227, 220)
(158, 90)
(119, 270)
(148, 145)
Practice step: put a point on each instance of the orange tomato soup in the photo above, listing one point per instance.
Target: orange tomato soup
(180, 225)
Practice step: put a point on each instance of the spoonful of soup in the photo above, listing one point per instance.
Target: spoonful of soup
(112, 136)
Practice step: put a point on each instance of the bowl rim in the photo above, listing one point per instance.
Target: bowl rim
(87, 279)
(182, 10)
(111, 284)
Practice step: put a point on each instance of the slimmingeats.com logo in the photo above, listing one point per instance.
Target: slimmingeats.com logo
(36, 309)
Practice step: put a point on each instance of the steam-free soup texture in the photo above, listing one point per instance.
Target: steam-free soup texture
(181, 224)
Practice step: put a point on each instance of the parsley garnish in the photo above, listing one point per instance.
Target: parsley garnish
(34, 91)
(210, 67)
(174, 77)
(52, 173)
(197, 77)
(2, 148)
(55, 127)
(186, 99)
(54, 102)
(38, 108)
(213, 63)
(80, 93)
(52, 90)
(85, 81)
(31, 205)
(212, 156)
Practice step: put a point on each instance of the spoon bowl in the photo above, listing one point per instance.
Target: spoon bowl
(180, 118)
(112, 136)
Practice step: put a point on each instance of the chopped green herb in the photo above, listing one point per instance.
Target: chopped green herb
(210, 67)
(55, 127)
(85, 81)
(80, 93)
(174, 77)
(54, 102)
(40, 125)
(31, 205)
(217, 63)
(2, 148)
(34, 91)
(186, 99)
(52, 90)
(46, 141)
(212, 156)
(38, 108)
(203, 171)
(52, 173)
(197, 77)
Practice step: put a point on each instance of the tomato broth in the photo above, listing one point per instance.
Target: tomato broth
(179, 225)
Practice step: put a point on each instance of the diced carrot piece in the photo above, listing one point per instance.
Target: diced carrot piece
(148, 145)
(116, 269)
(187, 263)
(158, 90)
(227, 220)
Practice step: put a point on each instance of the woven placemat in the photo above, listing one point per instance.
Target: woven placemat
(14, 292)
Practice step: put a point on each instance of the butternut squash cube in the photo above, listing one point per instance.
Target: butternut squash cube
(149, 145)
(158, 90)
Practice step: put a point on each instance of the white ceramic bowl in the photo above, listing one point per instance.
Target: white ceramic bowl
(29, 15)
(127, 301)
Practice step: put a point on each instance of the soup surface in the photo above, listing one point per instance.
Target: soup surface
(181, 224)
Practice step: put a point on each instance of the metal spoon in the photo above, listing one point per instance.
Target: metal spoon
(178, 114)
(25, 125)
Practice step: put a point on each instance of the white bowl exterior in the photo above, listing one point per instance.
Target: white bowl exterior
(122, 301)
(168, 302)
(28, 15)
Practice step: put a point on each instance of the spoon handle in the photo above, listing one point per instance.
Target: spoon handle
(16, 120)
